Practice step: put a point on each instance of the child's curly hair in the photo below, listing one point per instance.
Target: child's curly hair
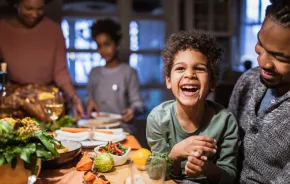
(196, 40)
(108, 26)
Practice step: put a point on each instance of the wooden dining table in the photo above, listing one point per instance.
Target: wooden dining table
(69, 175)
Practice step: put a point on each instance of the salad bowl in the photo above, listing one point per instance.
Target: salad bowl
(74, 149)
(118, 159)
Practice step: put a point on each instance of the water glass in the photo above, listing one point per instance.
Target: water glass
(153, 174)
(5, 108)
(54, 106)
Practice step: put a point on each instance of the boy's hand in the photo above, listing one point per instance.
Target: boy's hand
(92, 106)
(195, 164)
(188, 146)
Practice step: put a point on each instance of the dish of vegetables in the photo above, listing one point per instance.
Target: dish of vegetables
(113, 148)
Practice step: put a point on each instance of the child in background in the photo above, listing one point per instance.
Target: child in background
(199, 135)
(113, 88)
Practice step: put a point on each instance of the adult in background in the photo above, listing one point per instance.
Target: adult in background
(261, 103)
(33, 47)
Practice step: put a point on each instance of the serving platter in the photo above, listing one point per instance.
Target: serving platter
(91, 139)
(101, 120)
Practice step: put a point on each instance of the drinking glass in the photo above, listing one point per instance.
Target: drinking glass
(153, 174)
(5, 106)
(53, 106)
(5, 110)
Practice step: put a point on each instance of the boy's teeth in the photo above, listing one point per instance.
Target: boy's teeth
(189, 87)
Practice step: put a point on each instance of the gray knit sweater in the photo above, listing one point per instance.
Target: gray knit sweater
(265, 149)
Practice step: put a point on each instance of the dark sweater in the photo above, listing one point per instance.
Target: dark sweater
(265, 149)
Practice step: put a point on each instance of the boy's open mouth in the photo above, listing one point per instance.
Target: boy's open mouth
(189, 90)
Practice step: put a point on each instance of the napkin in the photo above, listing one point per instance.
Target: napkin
(81, 136)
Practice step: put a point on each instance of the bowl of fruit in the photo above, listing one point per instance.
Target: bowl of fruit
(119, 154)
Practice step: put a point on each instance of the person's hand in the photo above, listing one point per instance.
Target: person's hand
(128, 114)
(190, 145)
(92, 106)
(195, 164)
(78, 108)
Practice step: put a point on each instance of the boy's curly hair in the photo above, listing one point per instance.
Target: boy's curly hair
(108, 26)
(196, 40)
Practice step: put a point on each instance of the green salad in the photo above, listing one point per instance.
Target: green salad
(25, 139)
(65, 121)
(115, 149)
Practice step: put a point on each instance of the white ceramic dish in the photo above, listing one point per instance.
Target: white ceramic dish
(118, 160)
(89, 144)
(101, 120)
(88, 140)
(74, 147)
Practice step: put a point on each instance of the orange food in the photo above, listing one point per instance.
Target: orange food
(139, 158)
(85, 163)
(77, 130)
(100, 181)
(104, 131)
(89, 176)
(74, 130)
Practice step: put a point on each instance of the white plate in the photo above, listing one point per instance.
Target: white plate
(88, 123)
(88, 144)
(96, 139)
(102, 120)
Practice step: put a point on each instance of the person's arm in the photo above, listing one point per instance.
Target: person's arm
(197, 164)
(227, 154)
(236, 97)
(77, 103)
(154, 134)
(61, 75)
(224, 170)
(157, 142)
(283, 176)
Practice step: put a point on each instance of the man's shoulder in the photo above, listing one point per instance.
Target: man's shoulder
(249, 79)
(251, 74)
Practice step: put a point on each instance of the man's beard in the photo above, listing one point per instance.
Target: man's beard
(271, 84)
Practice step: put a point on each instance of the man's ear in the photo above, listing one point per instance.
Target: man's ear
(168, 82)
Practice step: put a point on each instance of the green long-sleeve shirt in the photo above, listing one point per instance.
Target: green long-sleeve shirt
(164, 131)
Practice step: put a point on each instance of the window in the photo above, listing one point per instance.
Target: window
(145, 52)
(82, 55)
(146, 59)
(145, 40)
(252, 18)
